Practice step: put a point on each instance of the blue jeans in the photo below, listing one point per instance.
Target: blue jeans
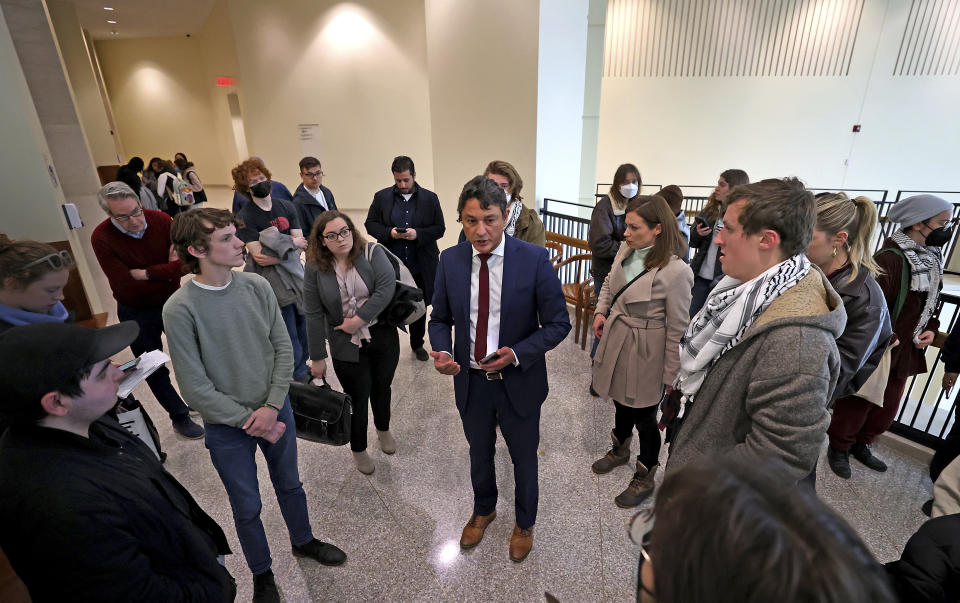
(297, 328)
(233, 453)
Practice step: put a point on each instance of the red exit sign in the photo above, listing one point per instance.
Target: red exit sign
(226, 81)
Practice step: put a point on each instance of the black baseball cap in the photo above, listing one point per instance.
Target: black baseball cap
(41, 358)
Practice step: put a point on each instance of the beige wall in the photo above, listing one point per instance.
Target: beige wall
(86, 93)
(28, 209)
(357, 69)
(441, 82)
(163, 99)
(483, 92)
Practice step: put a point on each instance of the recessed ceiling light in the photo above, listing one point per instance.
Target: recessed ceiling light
(112, 22)
(107, 8)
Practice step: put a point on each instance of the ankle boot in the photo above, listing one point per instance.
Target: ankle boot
(839, 461)
(364, 462)
(640, 487)
(387, 444)
(862, 453)
(619, 454)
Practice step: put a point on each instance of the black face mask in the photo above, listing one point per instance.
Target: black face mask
(938, 237)
(261, 190)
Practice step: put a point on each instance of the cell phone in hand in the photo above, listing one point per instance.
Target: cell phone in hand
(489, 358)
(701, 222)
(400, 230)
(128, 367)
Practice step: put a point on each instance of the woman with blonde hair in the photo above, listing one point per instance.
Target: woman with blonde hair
(641, 316)
(910, 273)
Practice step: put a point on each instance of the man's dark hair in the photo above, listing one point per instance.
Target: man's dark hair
(194, 227)
(30, 414)
(485, 191)
(734, 530)
(782, 205)
(403, 164)
(309, 162)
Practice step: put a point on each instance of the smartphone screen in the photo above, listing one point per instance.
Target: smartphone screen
(401, 230)
(126, 367)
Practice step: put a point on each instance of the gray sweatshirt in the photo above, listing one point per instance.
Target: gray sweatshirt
(230, 348)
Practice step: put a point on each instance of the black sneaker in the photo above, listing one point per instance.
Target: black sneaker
(325, 553)
(186, 428)
(862, 453)
(839, 461)
(421, 354)
(265, 588)
(593, 392)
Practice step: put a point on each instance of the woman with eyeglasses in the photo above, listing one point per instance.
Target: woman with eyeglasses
(32, 278)
(343, 293)
(734, 530)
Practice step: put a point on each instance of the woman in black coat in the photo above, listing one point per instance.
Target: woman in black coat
(841, 248)
(705, 263)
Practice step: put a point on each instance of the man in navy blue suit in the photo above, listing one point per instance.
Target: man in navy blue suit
(504, 299)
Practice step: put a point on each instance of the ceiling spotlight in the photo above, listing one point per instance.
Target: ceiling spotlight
(111, 22)
(107, 8)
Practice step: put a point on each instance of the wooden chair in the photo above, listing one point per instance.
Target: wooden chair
(572, 289)
(585, 309)
(557, 248)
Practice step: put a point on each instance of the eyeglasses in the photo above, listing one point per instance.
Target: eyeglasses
(343, 233)
(126, 217)
(314, 174)
(639, 530)
(56, 261)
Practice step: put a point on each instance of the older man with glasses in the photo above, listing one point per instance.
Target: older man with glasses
(311, 198)
(134, 251)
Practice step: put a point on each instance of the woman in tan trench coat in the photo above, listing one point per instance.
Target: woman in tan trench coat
(642, 312)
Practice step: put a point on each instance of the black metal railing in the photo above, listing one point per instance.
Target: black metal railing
(567, 225)
(926, 411)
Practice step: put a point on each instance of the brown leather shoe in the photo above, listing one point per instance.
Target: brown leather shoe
(520, 543)
(473, 531)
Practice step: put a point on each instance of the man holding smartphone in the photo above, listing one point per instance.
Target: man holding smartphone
(407, 219)
(508, 315)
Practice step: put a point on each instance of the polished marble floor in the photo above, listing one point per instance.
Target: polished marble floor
(400, 526)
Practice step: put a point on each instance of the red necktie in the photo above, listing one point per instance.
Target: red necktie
(483, 309)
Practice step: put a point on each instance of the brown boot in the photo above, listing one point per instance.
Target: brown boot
(473, 531)
(520, 543)
(619, 454)
(641, 486)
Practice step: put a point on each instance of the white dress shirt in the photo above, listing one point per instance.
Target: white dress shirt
(495, 269)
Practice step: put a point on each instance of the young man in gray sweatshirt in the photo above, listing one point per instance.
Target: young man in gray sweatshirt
(234, 360)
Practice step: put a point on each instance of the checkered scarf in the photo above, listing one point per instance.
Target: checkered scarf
(926, 272)
(730, 310)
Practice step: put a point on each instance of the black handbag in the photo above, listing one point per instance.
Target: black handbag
(321, 413)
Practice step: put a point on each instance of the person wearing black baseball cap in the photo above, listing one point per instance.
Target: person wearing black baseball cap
(87, 511)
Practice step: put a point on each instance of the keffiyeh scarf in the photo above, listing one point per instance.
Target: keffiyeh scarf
(926, 272)
(515, 208)
(730, 310)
